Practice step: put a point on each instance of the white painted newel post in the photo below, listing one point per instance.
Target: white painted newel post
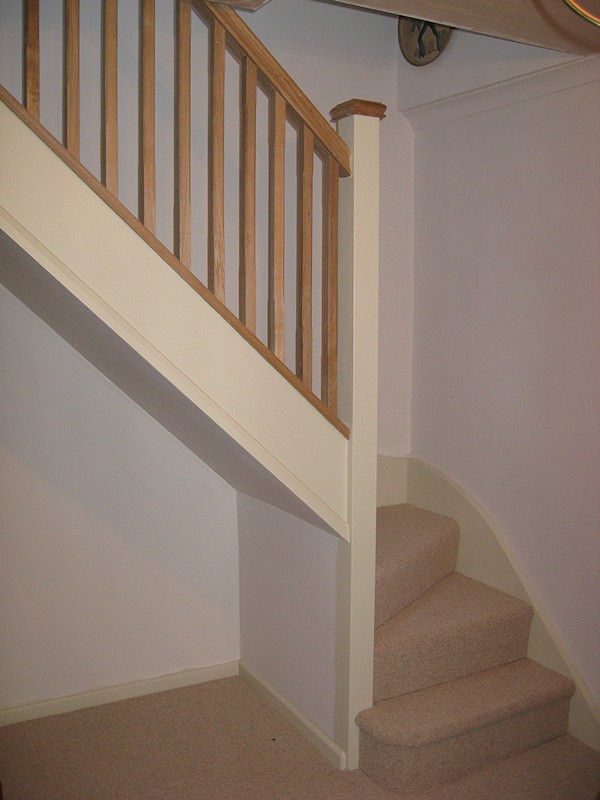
(358, 124)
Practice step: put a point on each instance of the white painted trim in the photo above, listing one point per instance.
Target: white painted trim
(324, 744)
(392, 477)
(358, 359)
(485, 555)
(508, 92)
(123, 691)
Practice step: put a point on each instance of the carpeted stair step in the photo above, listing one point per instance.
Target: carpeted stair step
(457, 628)
(563, 769)
(415, 741)
(415, 550)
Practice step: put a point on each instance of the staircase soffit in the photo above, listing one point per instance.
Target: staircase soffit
(543, 23)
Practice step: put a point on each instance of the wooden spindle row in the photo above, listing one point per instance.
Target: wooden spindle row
(256, 68)
(71, 103)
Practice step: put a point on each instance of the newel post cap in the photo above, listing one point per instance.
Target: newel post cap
(363, 108)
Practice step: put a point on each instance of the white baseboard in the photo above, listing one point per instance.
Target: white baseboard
(392, 477)
(324, 744)
(111, 694)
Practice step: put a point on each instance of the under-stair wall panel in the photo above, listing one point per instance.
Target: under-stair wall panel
(287, 607)
(118, 555)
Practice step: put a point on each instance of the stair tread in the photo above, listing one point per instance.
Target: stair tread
(453, 603)
(403, 528)
(444, 710)
(563, 769)
(415, 550)
(457, 628)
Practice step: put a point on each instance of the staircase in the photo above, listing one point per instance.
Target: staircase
(460, 711)
(252, 355)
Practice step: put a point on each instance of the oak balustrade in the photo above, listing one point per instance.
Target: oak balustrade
(316, 139)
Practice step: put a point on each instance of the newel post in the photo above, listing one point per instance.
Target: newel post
(358, 125)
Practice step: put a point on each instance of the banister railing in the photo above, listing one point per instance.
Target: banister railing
(287, 105)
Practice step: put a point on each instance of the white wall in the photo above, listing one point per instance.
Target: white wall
(507, 330)
(288, 607)
(118, 554)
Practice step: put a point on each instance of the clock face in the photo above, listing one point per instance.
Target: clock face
(421, 42)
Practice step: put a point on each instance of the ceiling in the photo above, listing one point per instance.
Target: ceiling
(544, 23)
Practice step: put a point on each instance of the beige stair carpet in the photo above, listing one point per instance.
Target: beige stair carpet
(456, 628)
(415, 550)
(458, 708)
(424, 738)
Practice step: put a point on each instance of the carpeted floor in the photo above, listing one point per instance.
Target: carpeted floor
(213, 741)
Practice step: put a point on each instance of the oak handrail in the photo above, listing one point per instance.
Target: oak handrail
(316, 139)
(277, 76)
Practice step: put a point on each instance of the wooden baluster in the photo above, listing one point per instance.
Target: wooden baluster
(304, 262)
(276, 323)
(32, 58)
(182, 234)
(247, 288)
(216, 164)
(329, 326)
(110, 138)
(71, 132)
(147, 169)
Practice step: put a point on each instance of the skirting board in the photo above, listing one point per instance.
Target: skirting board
(392, 477)
(326, 746)
(110, 694)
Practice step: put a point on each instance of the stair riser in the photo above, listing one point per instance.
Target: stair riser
(400, 584)
(403, 666)
(412, 769)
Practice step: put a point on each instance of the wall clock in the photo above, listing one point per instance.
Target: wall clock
(421, 41)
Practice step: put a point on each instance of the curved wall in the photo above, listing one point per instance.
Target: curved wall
(507, 332)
